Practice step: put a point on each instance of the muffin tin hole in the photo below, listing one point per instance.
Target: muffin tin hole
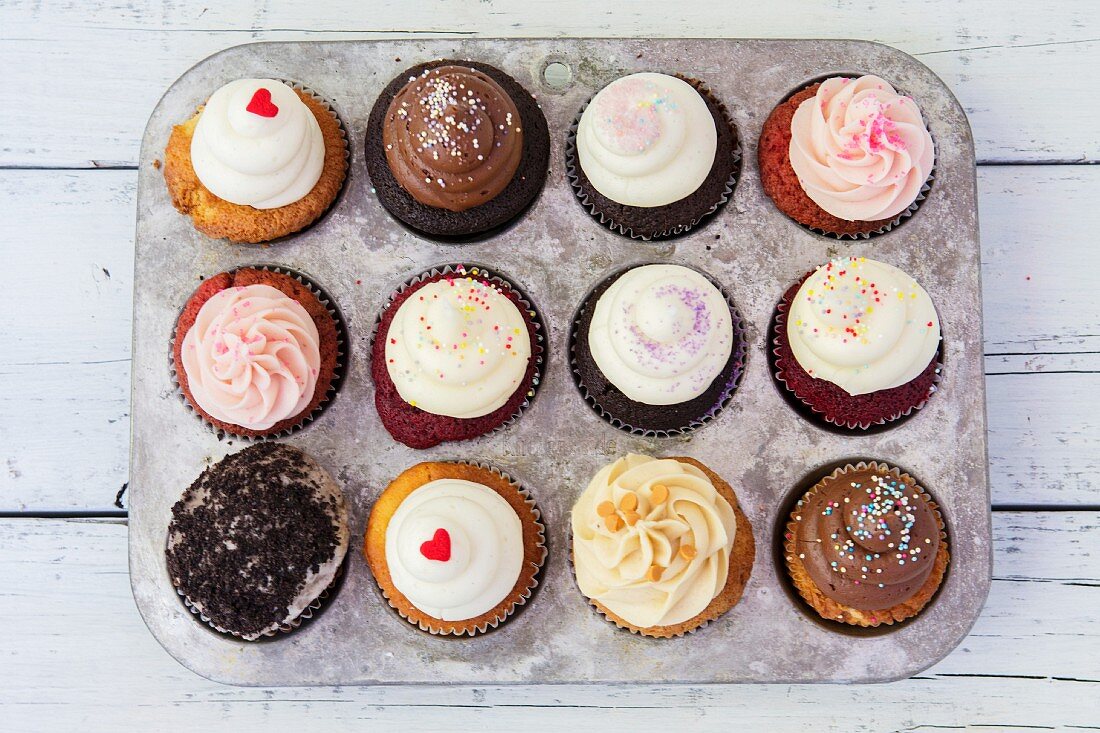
(778, 553)
(557, 75)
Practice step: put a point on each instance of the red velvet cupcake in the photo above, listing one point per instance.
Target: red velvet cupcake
(456, 355)
(857, 343)
(257, 352)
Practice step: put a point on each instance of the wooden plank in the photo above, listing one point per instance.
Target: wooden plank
(64, 379)
(1018, 74)
(79, 656)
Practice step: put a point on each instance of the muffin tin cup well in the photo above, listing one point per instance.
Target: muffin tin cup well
(556, 252)
(339, 373)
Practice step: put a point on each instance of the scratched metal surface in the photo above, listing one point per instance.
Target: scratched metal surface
(556, 252)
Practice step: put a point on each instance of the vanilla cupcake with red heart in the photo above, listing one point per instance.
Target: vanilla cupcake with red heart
(258, 161)
(454, 547)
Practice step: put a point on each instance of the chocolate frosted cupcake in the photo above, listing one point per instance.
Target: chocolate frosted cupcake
(652, 155)
(456, 149)
(846, 157)
(866, 546)
(256, 352)
(257, 541)
(456, 354)
(660, 545)
(258, 161)
(857, 342)
(657, 349)
(454, 547)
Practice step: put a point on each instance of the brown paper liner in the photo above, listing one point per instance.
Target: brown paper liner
(534, 542)
(833, 610)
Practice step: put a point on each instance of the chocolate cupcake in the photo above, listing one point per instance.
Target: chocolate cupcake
(456, 354)
(660, 545)
(256, 352)
(260, 160)
(857, 343)
(866, 546)
(652, 155)
(256, 543)
(657, 349)
(455, 548)
(456, 149)
(846, 157)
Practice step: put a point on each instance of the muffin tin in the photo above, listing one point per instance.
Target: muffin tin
(556, 253)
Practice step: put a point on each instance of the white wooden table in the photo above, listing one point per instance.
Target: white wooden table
(81, 79)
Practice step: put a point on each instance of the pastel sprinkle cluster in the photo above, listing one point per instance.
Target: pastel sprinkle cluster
(628, 113)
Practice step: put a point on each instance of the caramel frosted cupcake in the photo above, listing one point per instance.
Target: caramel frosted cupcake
(657, 349)
(455, 548)
(456, 149)
(866, 546)
(456, 355)
(652, 155)
(846, 157)
(857, 342)
(256, 352)
(258, 161)
(660, 545)
(256, 543)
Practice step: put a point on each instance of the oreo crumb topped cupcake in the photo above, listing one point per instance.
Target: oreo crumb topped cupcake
(657, 349)
(456, 149)
(260, 160)
(866, 546)
(846, 157)
(257, 541)
(455, 548)
(660, 545)
(456, 355)
(652, 155)
(857, 343)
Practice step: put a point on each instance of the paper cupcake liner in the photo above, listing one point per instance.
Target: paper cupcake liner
(308, 613)
(572, 164)
(779, 322)
(338, 375)
(525, 595)
(896, 221)
(538, 346)
(790, 551)
(740, 354)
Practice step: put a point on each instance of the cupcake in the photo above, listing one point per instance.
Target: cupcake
(652, 155)
(258, 161)
(657, 349)
(660, 545)
(857, 342)
(866, 546)
(456, 354)
(256, 543)
(256, 352)
(455, 548)
(456, 149)
(846, 157)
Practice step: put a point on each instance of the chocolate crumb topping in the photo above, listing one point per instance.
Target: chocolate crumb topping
(251, 533)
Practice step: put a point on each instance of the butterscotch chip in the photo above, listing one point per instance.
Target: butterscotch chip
(688, 552)
(659, 493)
(605, 509)
(654, 573)
(629, 502)
(631, 518)
(614, 522)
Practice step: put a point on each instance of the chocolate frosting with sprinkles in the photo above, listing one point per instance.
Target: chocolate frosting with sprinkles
(453, 137)
(256, 538)
(867, 538)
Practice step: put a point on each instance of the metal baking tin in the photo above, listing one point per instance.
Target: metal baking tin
(555, 253)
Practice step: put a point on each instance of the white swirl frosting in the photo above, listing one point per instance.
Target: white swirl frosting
(863, 325)
(257, 144)
(457, 347)
(861, 151)
(661, 334)
(252, 357)
(663, 561)
(646, 140)
(484, 549)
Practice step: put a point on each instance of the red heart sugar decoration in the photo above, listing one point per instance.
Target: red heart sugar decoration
(261, 104)
(438, 547)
